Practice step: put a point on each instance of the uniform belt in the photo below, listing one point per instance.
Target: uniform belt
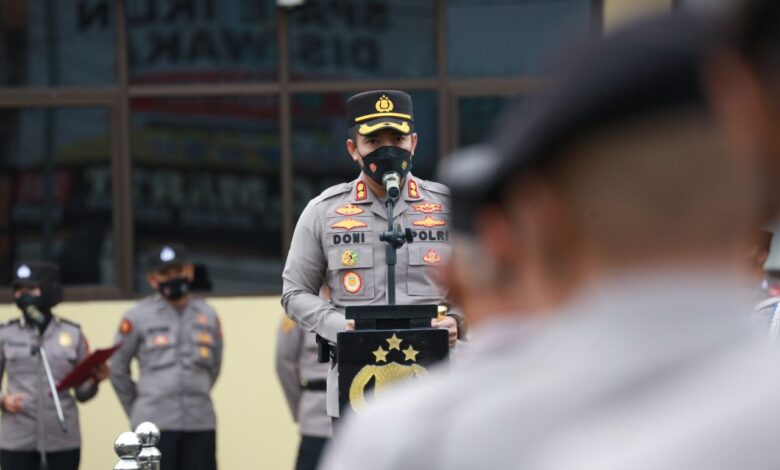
(315, 385)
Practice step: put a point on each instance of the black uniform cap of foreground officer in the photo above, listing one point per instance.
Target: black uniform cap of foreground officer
(648, 69)
(372, 111)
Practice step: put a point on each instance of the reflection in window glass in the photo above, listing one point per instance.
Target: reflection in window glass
(206, 174)
(201, 41)
(509, 38)
(55, 192)
(363, 39)
(709, 6)
(57, 42)
(320, 157)
(476, 117)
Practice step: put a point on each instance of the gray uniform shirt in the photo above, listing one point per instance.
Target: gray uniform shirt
(296, 365)
(179, 355)
(36, 427)
(337, 239)
(650, 371)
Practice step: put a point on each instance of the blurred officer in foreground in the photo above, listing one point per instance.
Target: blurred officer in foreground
(303, 380)
(621, 183)
(336, 237)
(177, 340)
(482, 275)
(30, 434)
(746, 91)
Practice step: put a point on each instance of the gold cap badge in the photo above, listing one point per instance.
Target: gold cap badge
(383, 104)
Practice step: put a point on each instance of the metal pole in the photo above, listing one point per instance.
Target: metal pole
(390, 253)
(53, 388)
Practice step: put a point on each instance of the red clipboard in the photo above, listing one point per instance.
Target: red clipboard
(83, 369)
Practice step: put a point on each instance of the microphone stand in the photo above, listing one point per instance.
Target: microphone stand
(395, 239)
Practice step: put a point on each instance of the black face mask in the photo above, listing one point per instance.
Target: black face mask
(387, 158)
(174, 289)
(34, 311)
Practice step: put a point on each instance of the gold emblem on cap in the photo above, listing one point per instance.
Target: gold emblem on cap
(383, 104)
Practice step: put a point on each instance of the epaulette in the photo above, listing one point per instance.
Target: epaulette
(69, 322)
(10, 322)
(435, 187)
(340, 188)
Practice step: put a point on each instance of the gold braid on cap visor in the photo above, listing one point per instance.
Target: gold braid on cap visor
(365, 129)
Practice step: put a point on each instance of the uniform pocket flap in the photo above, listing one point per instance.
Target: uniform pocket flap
(350, 257)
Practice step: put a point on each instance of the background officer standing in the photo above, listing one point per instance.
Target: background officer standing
(337, 235)
(177, 340)
(303, 380)
(30, 433)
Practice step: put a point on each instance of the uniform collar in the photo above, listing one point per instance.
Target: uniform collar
(163, 304)
(412, 188)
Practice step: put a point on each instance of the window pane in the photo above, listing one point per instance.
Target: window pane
(363, 39)
(319, 136)
(206, 174)
(57, 42)
(717, 6)
(479, 115)
(476, 117)
(55, 192)
(509, 38)
(201, 41)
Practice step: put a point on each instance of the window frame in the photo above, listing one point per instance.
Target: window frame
(116, 98)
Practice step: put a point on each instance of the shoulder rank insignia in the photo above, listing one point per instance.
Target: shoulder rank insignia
(349, 224)
(414, 193)
(349, 258)
(431, 257)
(360, 191)
(429, 222)
(427, 207)
(352, 282)
(349, 209)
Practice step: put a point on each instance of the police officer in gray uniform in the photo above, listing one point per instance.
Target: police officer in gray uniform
(337, 236)
(177, 341)
(30, 434)
(303, 380)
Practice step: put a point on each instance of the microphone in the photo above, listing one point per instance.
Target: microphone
(392, 183)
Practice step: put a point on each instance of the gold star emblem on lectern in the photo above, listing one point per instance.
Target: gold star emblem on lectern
(380, 354)
(394, 342)
(410, 354)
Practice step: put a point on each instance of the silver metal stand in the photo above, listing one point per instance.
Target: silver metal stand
(127, 447)
(53, 389)
(150, 456)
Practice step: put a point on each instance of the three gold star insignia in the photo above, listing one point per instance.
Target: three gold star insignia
(410, 354)
(380, 354)
(394, 342)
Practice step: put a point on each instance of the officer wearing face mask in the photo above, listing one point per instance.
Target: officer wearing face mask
(30, 433)
(337, 236)
(177, 341)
